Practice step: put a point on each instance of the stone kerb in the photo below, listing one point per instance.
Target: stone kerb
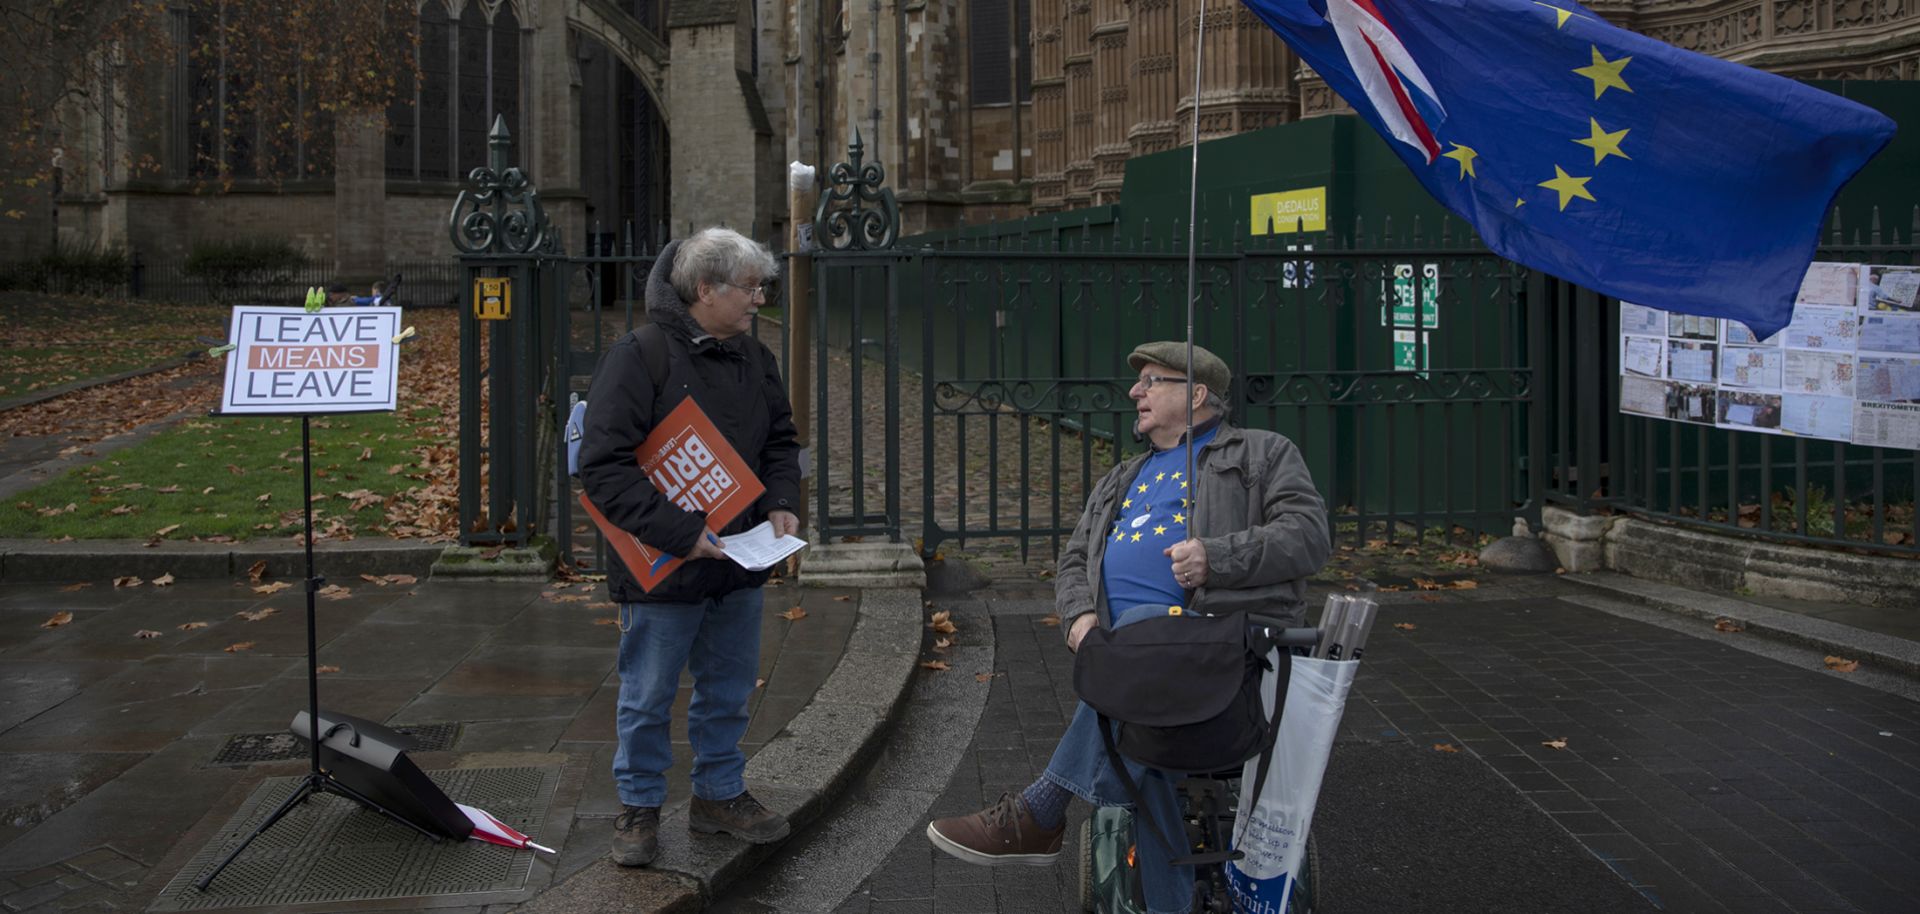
(1717, 562)
(1576, 539)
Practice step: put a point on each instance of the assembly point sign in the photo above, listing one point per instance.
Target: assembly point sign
(290, 360)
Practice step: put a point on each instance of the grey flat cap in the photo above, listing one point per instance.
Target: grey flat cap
(1207, 367)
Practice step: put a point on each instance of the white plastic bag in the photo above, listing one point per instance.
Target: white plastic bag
(1273, 831)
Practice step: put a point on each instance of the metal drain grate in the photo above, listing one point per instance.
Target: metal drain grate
(249, 748)
(328, 850)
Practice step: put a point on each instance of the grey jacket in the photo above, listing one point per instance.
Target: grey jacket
(1257, 514)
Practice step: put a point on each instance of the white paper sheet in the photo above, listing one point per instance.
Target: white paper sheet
(1888, 379)
(1639, 319)
(1822, 374)
(1829, 284)
(759, 548)
(1750, 367)
(1895, 425)
(1817, 417)
(1642, 356)
(1890, 333)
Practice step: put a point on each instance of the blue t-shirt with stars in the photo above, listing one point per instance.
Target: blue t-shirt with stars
(1153, 515)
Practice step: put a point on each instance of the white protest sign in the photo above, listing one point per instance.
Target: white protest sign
(289, 360)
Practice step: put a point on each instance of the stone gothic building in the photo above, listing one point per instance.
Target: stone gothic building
(638, 118)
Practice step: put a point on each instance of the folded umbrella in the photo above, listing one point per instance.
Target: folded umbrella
(493, 831)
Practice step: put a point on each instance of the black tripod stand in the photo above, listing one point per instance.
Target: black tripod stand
(316, 780)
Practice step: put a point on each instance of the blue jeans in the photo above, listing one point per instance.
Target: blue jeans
(1080, 766)
(719, 640)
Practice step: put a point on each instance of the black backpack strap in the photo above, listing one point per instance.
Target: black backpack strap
(1144, 816)
(653, 351)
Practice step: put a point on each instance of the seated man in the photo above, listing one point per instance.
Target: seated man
(1258, 529)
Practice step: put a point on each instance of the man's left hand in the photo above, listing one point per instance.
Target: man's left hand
(785, 523)
(1189, 563)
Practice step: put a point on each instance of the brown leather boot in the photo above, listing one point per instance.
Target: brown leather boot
(742, 817)
(636, 835)
(1003, 833)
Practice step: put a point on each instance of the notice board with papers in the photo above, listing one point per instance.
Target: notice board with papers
(1846, 369)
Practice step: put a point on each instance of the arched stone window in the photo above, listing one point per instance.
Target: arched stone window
(470, 71)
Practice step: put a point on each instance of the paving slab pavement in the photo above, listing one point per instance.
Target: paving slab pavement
(1704, 771)
(107, 739)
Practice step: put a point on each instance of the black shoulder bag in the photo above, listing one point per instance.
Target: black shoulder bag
(1183, 693)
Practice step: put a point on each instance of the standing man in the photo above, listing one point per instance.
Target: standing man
(701, 298)
(1258, 530)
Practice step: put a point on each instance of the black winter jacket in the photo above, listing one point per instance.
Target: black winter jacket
(738, 385)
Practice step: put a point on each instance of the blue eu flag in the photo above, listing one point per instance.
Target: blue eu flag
(1607, 158)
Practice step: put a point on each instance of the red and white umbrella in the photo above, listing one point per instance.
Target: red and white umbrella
(493, 831)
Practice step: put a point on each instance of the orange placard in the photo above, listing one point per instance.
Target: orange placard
(693, 466)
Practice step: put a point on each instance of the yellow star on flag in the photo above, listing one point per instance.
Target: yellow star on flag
(1118, 534)
(1127, 504)
(1136, 537)
(1605, 73)
(1465, 156)
(1143, 487)
(1568, 187)
(1159, 477)
(1560, 15)
(1159, 530)
(1519, 202)
(1183, 483)
(1176, 475)
(1603, 143)
(1179, 518)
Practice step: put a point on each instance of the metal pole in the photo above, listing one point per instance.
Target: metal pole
(800, 185)
(1193, 206)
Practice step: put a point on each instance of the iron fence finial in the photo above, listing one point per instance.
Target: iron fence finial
(856, 210)
(499, 210)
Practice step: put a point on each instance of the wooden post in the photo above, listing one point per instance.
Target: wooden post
(800, 194)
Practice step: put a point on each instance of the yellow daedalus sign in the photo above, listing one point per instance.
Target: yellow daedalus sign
(492, 298)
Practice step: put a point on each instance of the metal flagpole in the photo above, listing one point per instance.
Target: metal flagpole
(1193, 205)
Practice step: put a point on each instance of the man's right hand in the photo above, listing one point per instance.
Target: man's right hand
(708, 547)
(1081, 625)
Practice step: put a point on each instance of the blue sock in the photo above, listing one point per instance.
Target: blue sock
(1047, 802)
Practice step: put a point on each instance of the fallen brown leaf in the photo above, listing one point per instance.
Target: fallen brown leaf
(1464, 584)
(238, 646)
(941, 644)
(606, 620)
(191, 626)
(400, 579)
(843, 598)
(1445, 747)
(326, 668)
(1405, 626)
(1724, 624)
(758, 683)
(274, 587)
(123, 510)
(366, 453)
(256, 615)
(1560, 743)
(146, 633)
(256, 571)
(335, 592)
(70, 588)
(605, 604)
(1050, 621)
(163, 531)
(794, 614)
(942, 622)
(934, 664)
(163, 580)
(126, 581)
(1842, 664)
(983, 677)
(57, 619)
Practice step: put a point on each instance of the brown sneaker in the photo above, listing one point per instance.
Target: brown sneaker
(1000, 834)
(742, 817)
(636, 835)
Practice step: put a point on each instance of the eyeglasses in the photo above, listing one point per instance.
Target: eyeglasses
(1148, 380)
(764, 290)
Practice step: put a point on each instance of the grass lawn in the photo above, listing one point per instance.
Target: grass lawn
(241, 479)
(49, 340)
